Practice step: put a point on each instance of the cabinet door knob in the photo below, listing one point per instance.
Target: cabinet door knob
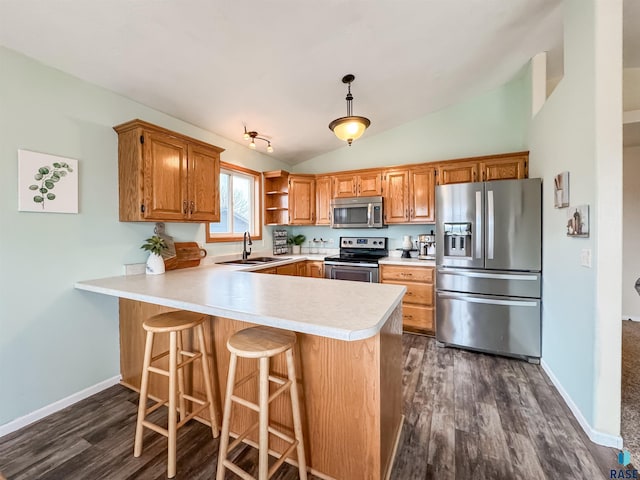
(185, 207)
(192, 207)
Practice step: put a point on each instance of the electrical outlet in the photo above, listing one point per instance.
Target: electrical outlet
(585, 257)
(134, 268)
(331, 241)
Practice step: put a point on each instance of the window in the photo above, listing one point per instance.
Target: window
(240, 196)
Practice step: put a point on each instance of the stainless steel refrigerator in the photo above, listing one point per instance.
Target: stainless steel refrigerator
(489, 266)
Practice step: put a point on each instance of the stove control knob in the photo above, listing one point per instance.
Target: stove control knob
(350, 242)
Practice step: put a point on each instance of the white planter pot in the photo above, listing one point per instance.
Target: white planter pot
(155, 264)
(295, 249)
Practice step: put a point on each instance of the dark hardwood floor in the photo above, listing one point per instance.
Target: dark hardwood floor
(468, 415)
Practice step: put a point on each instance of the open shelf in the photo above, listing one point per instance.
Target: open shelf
(276, 197)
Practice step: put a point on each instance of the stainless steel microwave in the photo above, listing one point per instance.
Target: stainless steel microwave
(357, 212)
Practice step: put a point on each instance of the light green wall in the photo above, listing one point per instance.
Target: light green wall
(54, 340)
(579, 130)
(495, 122)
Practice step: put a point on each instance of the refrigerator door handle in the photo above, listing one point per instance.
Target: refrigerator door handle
(490, 225)
(492, 276)
(488, 301)
(478, 225)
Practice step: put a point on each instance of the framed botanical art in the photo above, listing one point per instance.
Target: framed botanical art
(47, 183)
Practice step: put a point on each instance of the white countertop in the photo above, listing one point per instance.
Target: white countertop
(409, 262)
(337, 309)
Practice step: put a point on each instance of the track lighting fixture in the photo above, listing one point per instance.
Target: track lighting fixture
(253, 135)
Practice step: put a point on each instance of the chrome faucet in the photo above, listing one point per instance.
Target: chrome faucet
(245, 253)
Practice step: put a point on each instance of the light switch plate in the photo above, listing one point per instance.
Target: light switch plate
(585, 257)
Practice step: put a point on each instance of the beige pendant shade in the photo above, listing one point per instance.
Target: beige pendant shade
(351, 127)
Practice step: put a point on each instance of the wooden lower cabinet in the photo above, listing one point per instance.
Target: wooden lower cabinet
(271, 270)
(289, 269)
(418, 304)
(350, 391)
(315, 269)
(303, 268)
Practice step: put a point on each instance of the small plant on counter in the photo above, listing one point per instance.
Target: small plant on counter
(296, 243)
(297, 240)
(155, 263)
(154, 245)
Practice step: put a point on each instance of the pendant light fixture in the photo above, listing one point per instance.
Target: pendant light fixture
(252, 135)
(350, 127)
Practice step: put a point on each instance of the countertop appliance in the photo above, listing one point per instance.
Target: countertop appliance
(357, 212)
(489, 266)
(427, 246)
(357, 260)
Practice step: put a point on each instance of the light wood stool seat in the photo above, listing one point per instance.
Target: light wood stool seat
(174, 323)
(262, 343)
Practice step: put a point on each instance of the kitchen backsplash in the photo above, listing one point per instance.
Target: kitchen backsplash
(331, 237)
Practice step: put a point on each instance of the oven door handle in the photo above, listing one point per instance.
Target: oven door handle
(352, 265)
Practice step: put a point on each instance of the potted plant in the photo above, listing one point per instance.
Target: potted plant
(155, 263)
(296, 243)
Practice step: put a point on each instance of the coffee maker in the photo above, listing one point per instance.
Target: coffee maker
(427, 246)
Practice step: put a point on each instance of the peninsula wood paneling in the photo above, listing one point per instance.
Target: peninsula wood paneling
(350, 392)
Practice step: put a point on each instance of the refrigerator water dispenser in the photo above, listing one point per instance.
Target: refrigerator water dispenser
(457, 240)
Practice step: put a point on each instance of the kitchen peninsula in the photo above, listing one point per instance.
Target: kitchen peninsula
(348, 352)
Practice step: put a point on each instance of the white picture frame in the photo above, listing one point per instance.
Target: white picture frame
(47, 183)
(561, 190)
(578, 221)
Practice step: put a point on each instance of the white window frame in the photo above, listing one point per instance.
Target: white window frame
(256, 234)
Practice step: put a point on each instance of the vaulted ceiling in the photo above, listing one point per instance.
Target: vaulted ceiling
(276, 66)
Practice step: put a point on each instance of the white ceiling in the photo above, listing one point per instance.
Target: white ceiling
(277, 65)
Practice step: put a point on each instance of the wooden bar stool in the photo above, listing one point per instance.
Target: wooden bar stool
(262, 343)
(174, 323)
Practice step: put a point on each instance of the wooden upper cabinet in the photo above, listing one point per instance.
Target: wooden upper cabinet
(323, 200)
(504, 168)
(409, 195)
(203, 184)
(396, 196)
(463, 172)
(344, 186)
(370, 184)
(302, 200)
(165, 176)
(422, 192)
(165, 189)
(367, 184)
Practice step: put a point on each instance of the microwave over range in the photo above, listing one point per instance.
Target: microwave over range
(357, 212)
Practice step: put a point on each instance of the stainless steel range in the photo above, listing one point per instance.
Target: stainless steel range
(358, 259)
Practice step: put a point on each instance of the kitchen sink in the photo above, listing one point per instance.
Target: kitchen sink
(266, 259)
(252, 261)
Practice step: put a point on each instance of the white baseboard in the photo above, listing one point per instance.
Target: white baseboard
(633, 318)
(29, 418)
(595, 436)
